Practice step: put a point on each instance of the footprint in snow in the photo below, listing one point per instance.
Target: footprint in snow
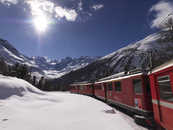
(112, 111)
(4, 119)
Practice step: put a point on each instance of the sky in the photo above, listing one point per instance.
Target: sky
(61, 28)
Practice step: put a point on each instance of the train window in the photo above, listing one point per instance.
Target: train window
(102, 87)
(165, 88)
(110, 86)
(98, 87)
(137, 84)
(118, 86)
(81, 87)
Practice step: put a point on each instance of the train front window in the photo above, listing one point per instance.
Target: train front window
(110, 86)
(137, 84)
(165, 88)
(118, 86)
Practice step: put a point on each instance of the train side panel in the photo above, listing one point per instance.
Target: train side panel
(99, 91)
(86, 90)
(132, 94)
(74, 89)
(162, 97)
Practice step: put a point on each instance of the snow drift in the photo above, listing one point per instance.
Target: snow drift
(10, 86)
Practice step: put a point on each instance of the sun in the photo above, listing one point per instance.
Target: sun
(40, 23)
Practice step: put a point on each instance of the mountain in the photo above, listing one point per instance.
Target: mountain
(57, 67)
(157, 48)
(43, 66)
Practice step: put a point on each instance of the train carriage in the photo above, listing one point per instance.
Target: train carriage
(129, 91)
(100, 91)
(85, 88)
(161, 81)
(74, 88)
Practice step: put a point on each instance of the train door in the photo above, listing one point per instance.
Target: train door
(164, 102)
(93, 89)
(138, 92)
(105, 91)
(109, 90)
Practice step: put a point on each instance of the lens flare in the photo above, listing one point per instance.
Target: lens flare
(41, 23)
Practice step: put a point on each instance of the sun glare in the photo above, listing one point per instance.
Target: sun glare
(40, 23)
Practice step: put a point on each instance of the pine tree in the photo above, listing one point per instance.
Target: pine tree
(34, 80)
(41, 83)
(3, 67)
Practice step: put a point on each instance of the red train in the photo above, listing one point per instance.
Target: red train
(145, 94)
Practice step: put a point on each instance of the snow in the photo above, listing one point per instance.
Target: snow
(10, 86)
(23, 107)
(163, 66)
(143, 45)
(12, 55)
(52, 74)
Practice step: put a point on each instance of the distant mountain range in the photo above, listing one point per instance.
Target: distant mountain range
(43, 66)
(157, 48)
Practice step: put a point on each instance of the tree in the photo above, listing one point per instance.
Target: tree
(41, 83)
(34, 80)
(21, 71)
(3, 67)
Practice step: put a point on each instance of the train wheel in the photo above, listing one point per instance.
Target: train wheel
(140, 120)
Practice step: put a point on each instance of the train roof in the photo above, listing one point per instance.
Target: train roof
(163, 66)
(120, 76)
(81, 83)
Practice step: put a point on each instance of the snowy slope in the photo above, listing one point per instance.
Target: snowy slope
(158, 46)
(11, 55)
(26, 108)
(43, 66)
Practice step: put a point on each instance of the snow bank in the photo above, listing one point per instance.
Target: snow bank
(30, 109)
(10, 86)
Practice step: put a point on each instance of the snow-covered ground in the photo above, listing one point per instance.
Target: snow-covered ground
(23, 107)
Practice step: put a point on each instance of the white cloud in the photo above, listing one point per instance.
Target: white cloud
(69, 14)
(9, 2)
(97, 7)
(80, 4)
(46, 7)
(50, 9)
(162, 10)
(39, 7)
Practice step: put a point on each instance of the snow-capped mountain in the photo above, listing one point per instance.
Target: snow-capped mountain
(157, 47)
(57, 67)
(43, 66)
(11, 55)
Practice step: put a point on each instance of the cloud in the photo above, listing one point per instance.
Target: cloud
(51, 9)
(162, 10)
(80, 4)
(69, 14)
(9, 2)
(40, 7)
(97, 7)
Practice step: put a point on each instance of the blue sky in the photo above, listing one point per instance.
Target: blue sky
(78, 27)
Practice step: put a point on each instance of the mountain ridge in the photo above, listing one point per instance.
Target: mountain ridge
(156, 47)
(42, 66)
